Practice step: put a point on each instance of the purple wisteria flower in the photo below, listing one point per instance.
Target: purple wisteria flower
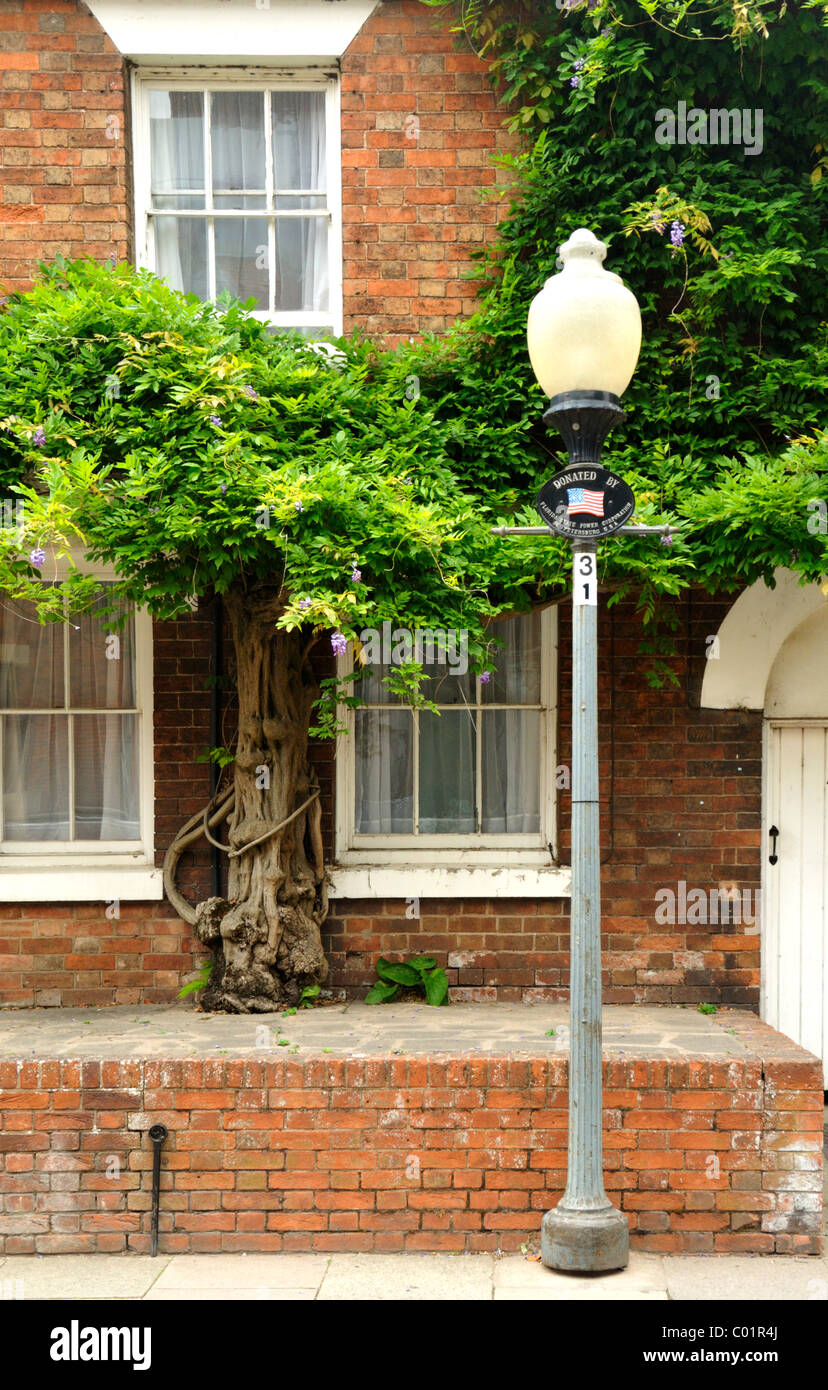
(677, 230)
(356, 574)
(579, 64)
(657, 223)
(37, 558)
(667, 539)
(304, 603)
(605, 33)
(254, 395)
(298, 506)
(339, 644)
(216, 421)
(574, 81)
(223, 487)
(484, 677)
(39, 436)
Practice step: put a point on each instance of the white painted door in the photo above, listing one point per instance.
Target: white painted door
(795, 899)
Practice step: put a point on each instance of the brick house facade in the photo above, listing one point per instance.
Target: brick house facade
(682, 774)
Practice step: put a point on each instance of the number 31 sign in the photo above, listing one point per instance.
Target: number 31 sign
(584, 578)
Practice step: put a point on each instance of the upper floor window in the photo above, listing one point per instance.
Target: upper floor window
(237, 190)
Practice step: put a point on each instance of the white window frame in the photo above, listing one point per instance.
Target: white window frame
(226, 79)
(93, 870)
(477, 865)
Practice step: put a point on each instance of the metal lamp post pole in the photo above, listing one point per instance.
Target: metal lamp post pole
(585, 1231)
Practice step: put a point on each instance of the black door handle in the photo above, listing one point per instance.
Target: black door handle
(774, 834)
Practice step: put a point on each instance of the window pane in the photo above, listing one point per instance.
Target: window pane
(298, 133)
(371, 688)
(177, 142)
(302, 263)
(384, 772)
(106, 777)
(179, 202)
(31, 659)
(101, 662)
(445, 689)
(287, 202)
(511, 772)
(35, 777)
(241, 258)
(447, 774)
(181, 254)
(237, 138)
(515, 666)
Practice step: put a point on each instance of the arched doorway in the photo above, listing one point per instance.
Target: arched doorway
(773, 655)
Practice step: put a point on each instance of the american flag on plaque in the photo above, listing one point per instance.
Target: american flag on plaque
(584, 501)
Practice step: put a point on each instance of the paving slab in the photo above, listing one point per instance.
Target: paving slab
(355, 1029)
(585, 1295)
(263, 1294)
(206, 1272)
(644, 1275)
(775, 1278)
(85, 1276)
(408, 1277)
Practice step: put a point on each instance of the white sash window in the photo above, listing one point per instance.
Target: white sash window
(76, 774)
(238, 191)
(472, 789)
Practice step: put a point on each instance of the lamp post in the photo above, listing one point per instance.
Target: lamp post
(584, 336)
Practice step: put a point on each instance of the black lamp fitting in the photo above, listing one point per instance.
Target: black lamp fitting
(584, 418)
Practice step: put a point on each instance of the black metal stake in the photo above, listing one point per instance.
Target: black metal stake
(157, 1134)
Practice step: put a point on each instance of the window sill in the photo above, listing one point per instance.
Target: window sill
(445, 881)
(52, 883)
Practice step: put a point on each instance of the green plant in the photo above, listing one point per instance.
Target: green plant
(306, 999)
(418, 972)
(707, 1009)
(199, 983)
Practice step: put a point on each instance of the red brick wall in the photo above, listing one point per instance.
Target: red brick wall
(405, 1154)
(63, 150)
(419, 125)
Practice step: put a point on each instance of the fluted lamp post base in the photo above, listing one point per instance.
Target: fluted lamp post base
(576, 1240)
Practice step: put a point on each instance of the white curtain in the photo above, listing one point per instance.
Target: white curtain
(35, 756)
(102, 677)
(237, 137)
(511, 737)
(238, 154)
(36, 746)
(384, 772)
(177, 163)
(448, 749)
(299, 163)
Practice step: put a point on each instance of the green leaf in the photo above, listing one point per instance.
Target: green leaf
(381, 993)
(436, 987)
(398, 972)
(421, 963)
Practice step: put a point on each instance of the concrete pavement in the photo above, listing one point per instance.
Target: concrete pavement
(338, 1278)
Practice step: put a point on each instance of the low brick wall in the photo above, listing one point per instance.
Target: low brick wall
(392, 1154)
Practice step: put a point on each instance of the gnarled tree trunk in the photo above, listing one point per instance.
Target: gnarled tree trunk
(265, 939)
